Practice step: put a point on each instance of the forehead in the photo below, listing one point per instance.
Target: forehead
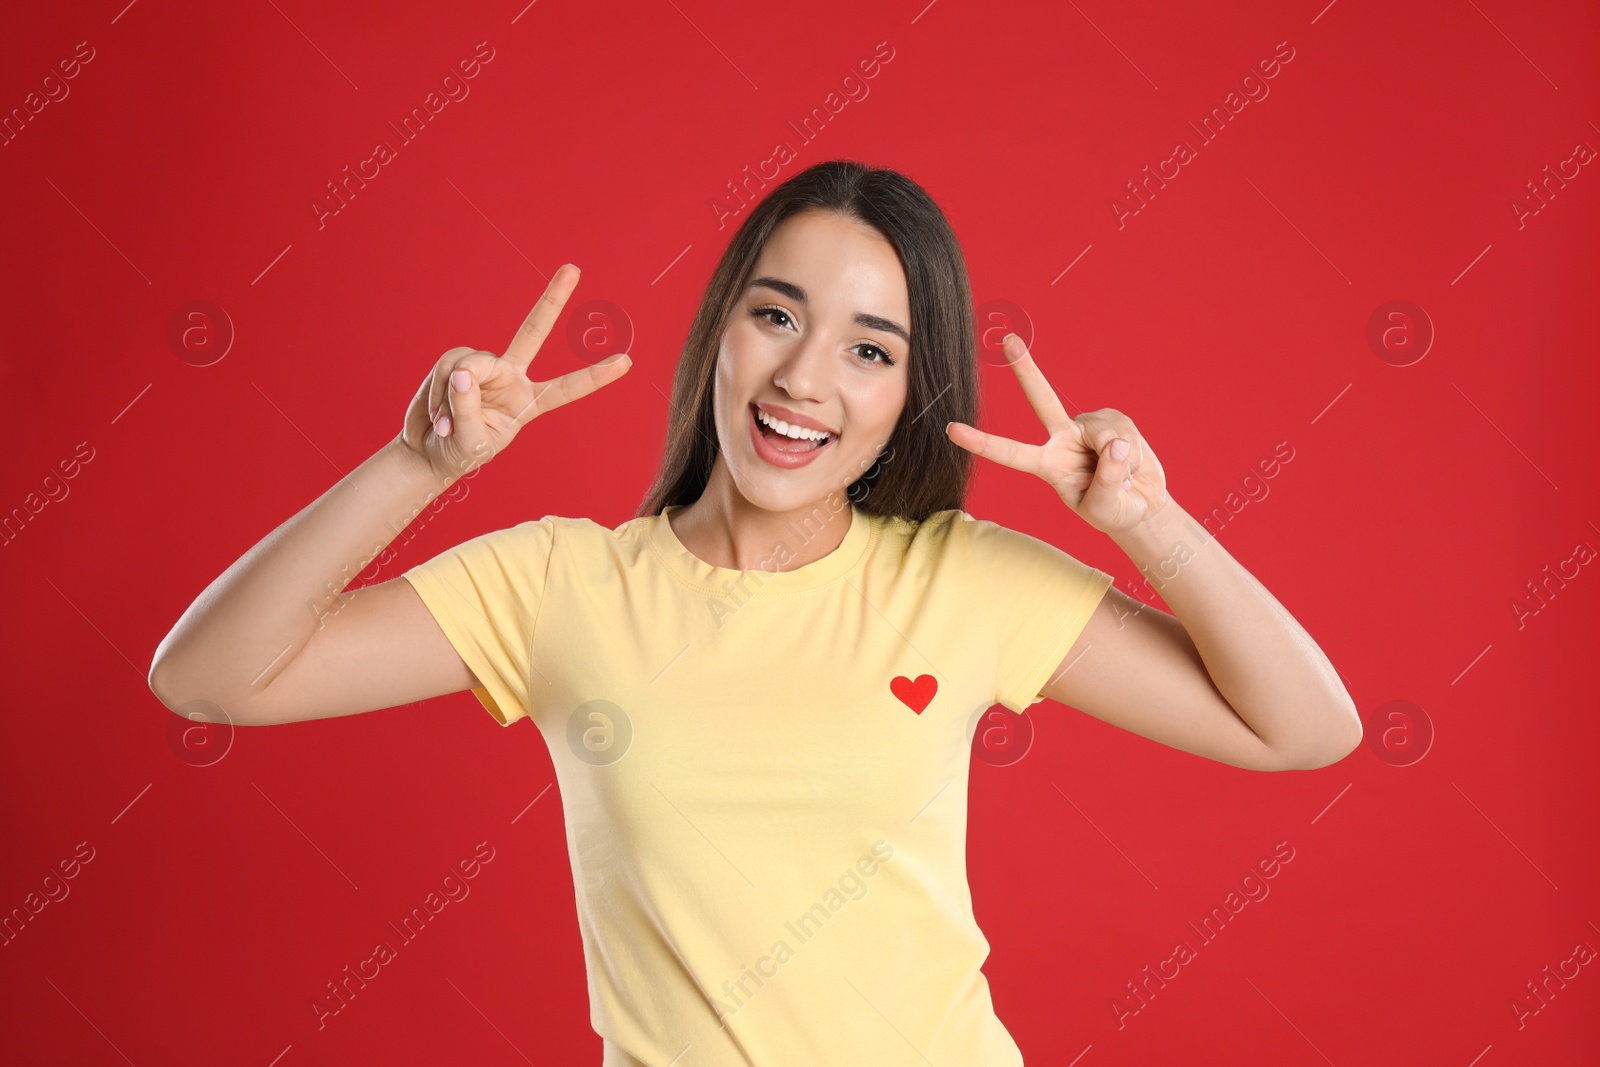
(839, 262)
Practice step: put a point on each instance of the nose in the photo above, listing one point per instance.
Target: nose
(804, 371)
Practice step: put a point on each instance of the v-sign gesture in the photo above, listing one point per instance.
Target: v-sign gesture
(472, 403)
(1098, 463)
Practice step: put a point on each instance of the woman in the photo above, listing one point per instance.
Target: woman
(760, 693)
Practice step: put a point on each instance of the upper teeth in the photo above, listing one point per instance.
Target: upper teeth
(799, 433)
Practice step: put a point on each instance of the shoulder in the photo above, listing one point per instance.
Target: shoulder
(988, 536)
(953, 529)
(998, 549)
(572, 527)
(580, 540)
(973, 558)
(581, 536)
(529, 541)
(923, 550)
(904, 535)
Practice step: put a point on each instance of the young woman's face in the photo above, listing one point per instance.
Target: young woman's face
(820, 339)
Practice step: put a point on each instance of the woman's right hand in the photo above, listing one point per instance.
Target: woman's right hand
(472, 403)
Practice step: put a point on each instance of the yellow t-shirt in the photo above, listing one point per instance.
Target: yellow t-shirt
(764, 775)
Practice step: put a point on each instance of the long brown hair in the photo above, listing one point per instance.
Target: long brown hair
(920, 470)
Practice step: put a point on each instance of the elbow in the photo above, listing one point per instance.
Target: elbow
(157, 680)
(1316, 761)
(174, 696)
(164, 678)
(166, 689)
(1329, 753)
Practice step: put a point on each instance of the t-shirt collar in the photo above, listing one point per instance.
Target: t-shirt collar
(795, 536)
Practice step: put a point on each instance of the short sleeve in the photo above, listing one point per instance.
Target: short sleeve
(485, 594)
(1039, 599)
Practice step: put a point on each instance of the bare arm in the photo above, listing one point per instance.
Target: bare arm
(1232, 676)
(282, 607)
(276, 638)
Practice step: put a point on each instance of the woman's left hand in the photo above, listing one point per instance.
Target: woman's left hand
(1079, 461)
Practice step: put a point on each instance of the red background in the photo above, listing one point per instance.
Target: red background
(1228, 315)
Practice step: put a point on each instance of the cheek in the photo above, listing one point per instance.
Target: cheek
(873, 414)
(731, 387)
(878, 409)
(735, 361)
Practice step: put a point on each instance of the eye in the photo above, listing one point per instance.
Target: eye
(886, 361)
(766, 312)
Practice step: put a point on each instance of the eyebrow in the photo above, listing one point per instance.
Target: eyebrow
(871, 322)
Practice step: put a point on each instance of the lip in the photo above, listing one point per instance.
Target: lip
(785, 460)
(794, 418)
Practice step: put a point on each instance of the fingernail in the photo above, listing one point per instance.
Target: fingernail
(1119, 449)
(442, 427)
(618, 357)
(460, 381)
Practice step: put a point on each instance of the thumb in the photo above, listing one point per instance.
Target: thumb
(464, 405)
(1111, 470)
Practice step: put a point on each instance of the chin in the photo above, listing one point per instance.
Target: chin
(791, 495)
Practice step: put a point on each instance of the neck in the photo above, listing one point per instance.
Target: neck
(725, 529)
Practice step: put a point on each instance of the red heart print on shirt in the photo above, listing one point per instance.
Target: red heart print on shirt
(915, 695)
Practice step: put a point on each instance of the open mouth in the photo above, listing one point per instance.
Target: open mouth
(793, 440)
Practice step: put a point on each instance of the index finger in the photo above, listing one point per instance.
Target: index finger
(1034, 385)
(536, 327)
